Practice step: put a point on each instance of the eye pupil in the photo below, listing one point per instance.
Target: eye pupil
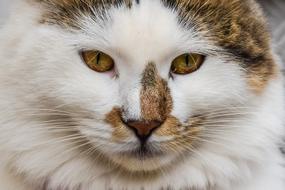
(98, 58)
(187, 60)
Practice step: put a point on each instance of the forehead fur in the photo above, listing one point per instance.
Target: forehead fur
(67, 12)
(237, 26)
(228, 23)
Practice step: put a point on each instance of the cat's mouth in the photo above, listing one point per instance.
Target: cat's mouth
(143, 159)
(143, 152)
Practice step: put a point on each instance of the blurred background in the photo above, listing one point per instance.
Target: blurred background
(274, 10)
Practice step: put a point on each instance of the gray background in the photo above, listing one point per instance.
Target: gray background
(274, 9)
(4, 9)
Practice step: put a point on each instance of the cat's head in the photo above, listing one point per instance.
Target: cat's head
(141, 86)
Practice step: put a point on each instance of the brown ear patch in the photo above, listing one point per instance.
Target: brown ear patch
(156, 101)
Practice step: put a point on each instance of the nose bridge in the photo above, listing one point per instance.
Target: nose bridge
(155, 99)
(130, 97)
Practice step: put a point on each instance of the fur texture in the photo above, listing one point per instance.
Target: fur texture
(63, 126)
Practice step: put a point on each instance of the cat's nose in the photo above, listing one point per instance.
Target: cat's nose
(144, 129)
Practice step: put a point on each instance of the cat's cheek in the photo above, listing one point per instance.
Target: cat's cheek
(110, 74)
(114, 73)
(181, 109)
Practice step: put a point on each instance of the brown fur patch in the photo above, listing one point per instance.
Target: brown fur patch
(238, 26)
(183, 138)
(67, 12)
(114, 119)
(156, 101)
(170, 127)
(259, 74)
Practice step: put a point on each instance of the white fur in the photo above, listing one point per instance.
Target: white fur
(41, 62)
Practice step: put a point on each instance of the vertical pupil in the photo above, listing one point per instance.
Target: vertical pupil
(187, 60)
(98, 58)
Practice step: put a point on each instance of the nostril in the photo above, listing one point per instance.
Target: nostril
(143, 129)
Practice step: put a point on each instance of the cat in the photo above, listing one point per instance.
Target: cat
(140, 95)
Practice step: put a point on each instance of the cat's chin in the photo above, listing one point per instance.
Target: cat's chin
(138, 161)
(133, 164)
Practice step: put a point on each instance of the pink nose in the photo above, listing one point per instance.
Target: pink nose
(143, 129)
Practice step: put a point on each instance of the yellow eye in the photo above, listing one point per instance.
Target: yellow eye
(98, 61)
(187, 63)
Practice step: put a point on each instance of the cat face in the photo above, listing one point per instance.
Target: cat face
(140, 115)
